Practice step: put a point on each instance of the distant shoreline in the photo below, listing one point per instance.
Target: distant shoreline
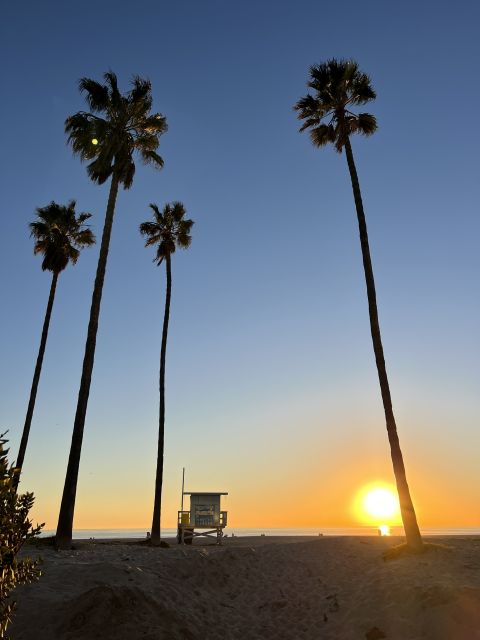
(169, 532)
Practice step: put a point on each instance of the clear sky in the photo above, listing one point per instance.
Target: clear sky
(272, 391)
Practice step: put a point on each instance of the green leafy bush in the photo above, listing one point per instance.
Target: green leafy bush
(15, 530)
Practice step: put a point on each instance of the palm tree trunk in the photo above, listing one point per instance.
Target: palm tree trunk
(412, 532)
(63, 538)
(36, 378)
(157, 503)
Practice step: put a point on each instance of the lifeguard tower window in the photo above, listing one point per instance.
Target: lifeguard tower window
(204, 509)
(205, 515)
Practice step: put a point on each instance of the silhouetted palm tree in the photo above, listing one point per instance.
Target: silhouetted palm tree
(108, 141)
(168, 231)
(59, 236)
(339, 85)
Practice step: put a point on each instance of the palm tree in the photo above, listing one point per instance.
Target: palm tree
(168, 231)
(59, 236)
(107, 136)
(339, 85)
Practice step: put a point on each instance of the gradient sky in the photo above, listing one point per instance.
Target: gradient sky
(271, 381)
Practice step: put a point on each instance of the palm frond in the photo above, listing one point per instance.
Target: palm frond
(184, 239)
(114, 94)
(127, 172)
(155, 123)
(99, 171)
(366, 124)
(82, 128)
(178, 211)
(149, 228)
(40, 246)
(156, 212)
(141, 92)
(83, 217)
(84, 238)
(73, 254)
(151, 157)
(96, 94)
(362, 90)
(322, 135)
(38, 229)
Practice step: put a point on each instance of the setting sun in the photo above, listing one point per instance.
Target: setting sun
(380, 503)
(377, 504)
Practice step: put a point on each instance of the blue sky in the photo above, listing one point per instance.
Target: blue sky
(271, 375)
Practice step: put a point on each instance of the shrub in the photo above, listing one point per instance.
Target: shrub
(15, 530)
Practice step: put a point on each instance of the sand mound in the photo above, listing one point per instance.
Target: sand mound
(100, 612)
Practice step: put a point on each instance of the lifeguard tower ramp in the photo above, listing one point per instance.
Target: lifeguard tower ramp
(205, 517)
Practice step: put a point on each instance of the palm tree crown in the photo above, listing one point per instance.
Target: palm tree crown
(59, 235)
(109, 142)
(338, 85)
(168, 230)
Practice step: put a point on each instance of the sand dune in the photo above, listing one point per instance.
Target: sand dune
(254, 588)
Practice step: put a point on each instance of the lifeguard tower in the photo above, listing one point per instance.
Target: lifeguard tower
(205, 517)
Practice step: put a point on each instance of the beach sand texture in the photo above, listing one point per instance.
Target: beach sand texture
(253, 588)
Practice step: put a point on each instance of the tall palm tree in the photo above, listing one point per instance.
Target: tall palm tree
(107, 136)
(338, 86)
(59, 236)
(168, 231)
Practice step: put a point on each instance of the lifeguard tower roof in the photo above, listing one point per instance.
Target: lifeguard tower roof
(205, 493)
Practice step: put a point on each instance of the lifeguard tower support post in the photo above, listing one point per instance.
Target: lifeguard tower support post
(205, 513)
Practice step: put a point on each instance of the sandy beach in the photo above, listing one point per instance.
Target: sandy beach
(253, 588)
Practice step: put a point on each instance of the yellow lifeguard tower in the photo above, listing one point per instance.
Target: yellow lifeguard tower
(205, 513)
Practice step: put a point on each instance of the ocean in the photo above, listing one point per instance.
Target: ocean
(102, 534)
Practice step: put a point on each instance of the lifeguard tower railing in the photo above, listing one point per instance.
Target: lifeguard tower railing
(204, 518)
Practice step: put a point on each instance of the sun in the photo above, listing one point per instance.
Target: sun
(380, 503)
(377, 504)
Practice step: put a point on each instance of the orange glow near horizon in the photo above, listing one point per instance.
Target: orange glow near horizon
(305, 497)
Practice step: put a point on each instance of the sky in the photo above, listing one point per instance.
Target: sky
(272, 391)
